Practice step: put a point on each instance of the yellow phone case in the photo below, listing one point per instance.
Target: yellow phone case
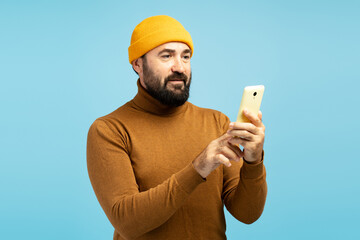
(251, 100)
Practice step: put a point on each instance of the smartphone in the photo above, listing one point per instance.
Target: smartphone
(251, 100)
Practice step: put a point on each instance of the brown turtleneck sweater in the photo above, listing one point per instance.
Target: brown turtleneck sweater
(140, 165)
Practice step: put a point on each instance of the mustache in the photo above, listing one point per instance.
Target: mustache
(176, 76)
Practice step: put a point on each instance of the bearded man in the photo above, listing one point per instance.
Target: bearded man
(163, 168)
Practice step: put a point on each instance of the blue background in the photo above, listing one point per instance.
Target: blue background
(64, 63)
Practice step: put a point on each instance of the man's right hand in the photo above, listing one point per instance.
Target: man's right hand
(219, 151)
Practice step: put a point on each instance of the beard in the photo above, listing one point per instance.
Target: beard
(159, 91)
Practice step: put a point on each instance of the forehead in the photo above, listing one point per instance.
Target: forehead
(177, 46)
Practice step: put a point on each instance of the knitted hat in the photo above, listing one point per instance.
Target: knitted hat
(154, 31)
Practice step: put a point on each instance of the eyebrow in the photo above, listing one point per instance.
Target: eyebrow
(172, 51)
(187, 51)
(166, 50)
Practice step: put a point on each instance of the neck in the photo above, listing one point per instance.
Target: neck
(149, 104)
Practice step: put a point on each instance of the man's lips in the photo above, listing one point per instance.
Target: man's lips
(177, 81)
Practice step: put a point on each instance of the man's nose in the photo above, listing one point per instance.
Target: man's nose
(178, 65)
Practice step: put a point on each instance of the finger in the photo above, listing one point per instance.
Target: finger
(222, 139)
(236, 150)
(243, 126)
(229, 153)
(242, 134)
(239, 141)
(223, 160)
(260, 117)
(252, 117)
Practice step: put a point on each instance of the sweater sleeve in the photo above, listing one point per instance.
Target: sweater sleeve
(132, 213)
(244, 187)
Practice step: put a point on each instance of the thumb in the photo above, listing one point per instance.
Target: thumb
(260, 115)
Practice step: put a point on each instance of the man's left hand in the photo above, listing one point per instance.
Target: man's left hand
(249, 135)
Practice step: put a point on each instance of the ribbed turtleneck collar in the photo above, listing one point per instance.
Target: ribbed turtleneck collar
(146, 102)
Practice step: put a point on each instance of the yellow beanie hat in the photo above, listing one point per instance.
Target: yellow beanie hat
(154, 31)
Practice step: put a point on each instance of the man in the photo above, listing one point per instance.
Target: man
(163, 168)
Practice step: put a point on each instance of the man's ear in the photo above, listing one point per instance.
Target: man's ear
(137, 65)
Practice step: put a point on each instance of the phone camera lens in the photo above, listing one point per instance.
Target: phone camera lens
(254, 94)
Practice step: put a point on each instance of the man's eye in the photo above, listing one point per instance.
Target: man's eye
(186, 57)
(165, 56)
